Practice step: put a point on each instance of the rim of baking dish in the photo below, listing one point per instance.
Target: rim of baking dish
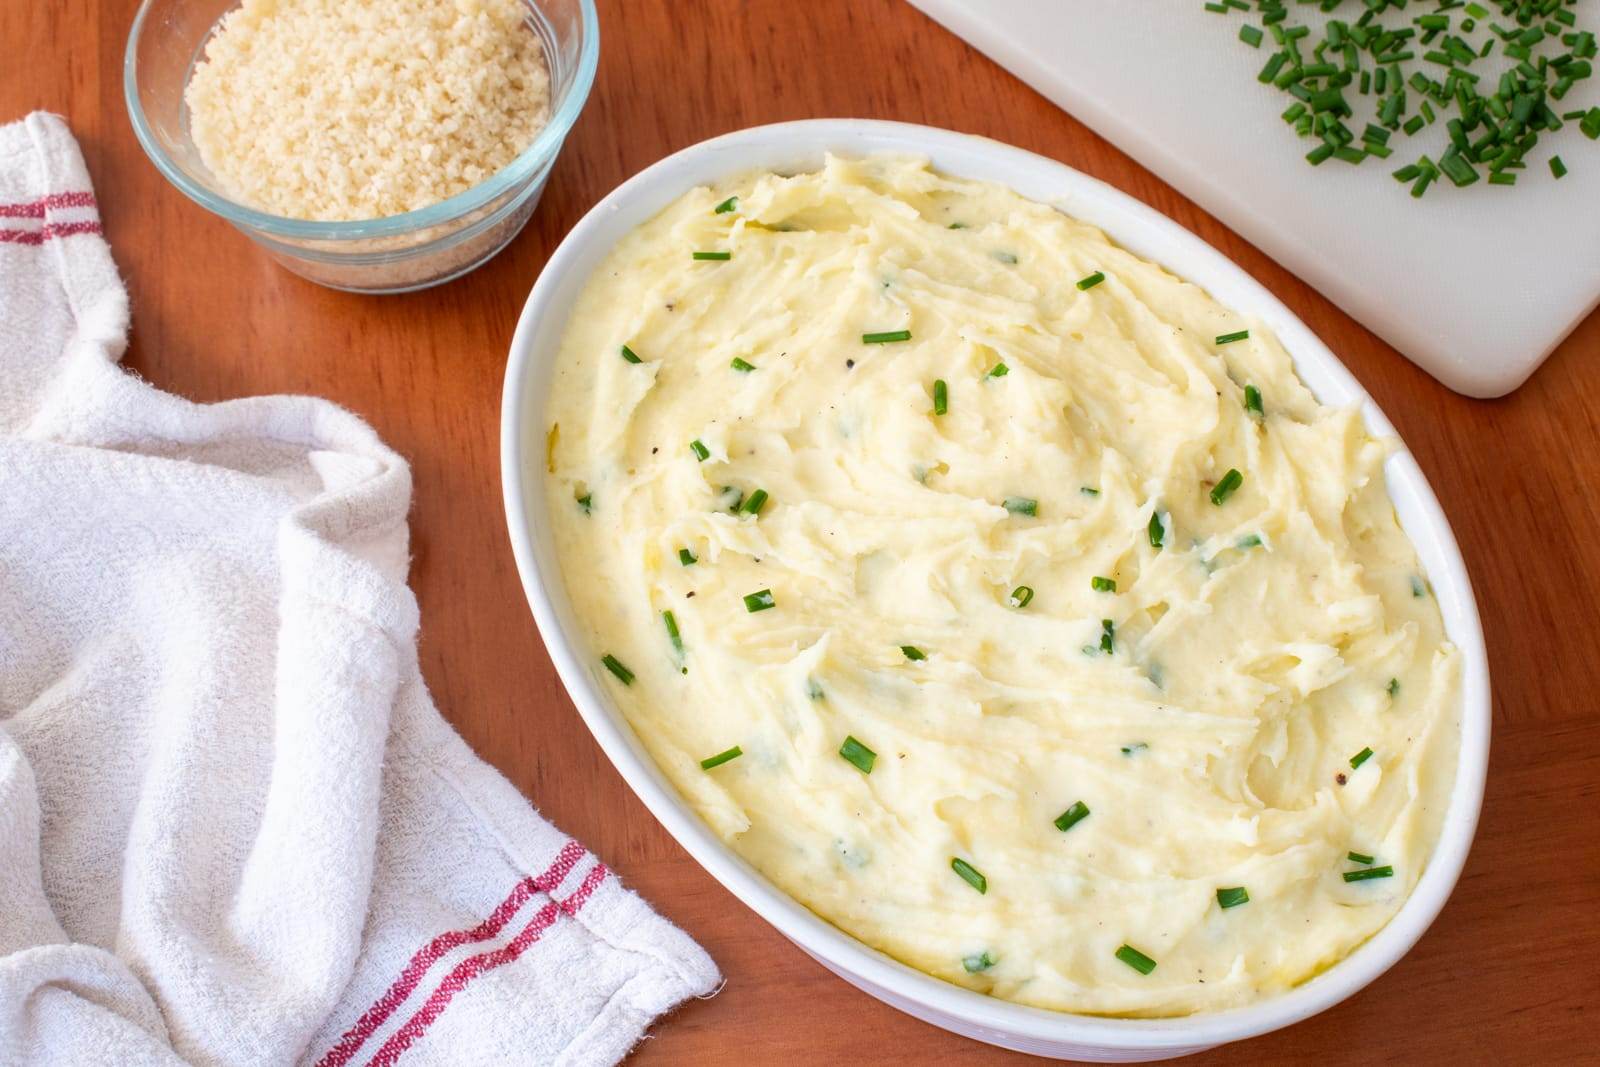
(1146, 232)
(542, 151)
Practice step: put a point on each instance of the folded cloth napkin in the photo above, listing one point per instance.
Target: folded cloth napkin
(233, 827)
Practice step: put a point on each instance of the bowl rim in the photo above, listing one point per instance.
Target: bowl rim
(1082, 196)
(542, 151)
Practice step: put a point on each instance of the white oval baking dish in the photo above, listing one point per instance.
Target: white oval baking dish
(791, 147)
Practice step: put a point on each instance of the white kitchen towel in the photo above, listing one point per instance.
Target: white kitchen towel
(233, 827)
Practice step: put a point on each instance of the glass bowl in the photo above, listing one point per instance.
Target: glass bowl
(387, 255)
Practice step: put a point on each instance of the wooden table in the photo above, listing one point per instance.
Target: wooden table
(1510, 968)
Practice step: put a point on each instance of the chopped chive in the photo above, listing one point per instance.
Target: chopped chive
(1393, 687)
(585, 502)
(741, 366)
(957, 226)
(999, 370)
(731, 498)
(941, 397)
(1091, 281)
(1360, 757)
(981, 962)
(1072, 816)
(720, 758)
(913, 653)
(1368, 873)
(726, 206)
(1250, 35)
(1137, 746)
(759, 601)
(701, 452)
(885, 338)
(686, 557)
(1252, 400)
(814, 689)
(1108, 636)
(1356, 857)
(1103, 585)
(629, 355)
(858, 754)
(1021, 596)
(1248, 541)
(1229, 338)
(1156, 531)
(1021, 505)
(1225, 488)
(1136, 959)
(614, 665)
(1232, 898)
(671, 623)
(970, 874)
(754, 503)
(1418, 589)
(1088, 490)
(713, 255)
(1558, 168)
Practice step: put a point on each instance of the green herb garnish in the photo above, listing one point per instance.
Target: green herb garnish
(1225, 488)
(686, 557)
(970, 874)
(754, 502)
(1360, 757)
(1021, 596)
(1136, 959)
(1356, 857)
(858, 754)
(614, 665)
(760, 601)
(713, 255)
(981, 962)
(913, 653)
(1156, 530)
(1252, 400)
(726, 206)
(1021, 505)
(701, 452)
(1369, 873)
(1232, 898)
(585, 502)
(1229, 338)
(999, 370)
(671, 623)
(885, 338)
(720, 758)
(1072, 816)
(941, 397)
(741, 366)
(1091, 281)
(1103, 585)
(628, 354)
(1108, 634)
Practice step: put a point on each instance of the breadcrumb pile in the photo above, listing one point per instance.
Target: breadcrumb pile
(360, 109)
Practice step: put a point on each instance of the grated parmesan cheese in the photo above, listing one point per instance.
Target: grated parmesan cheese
(359, 109)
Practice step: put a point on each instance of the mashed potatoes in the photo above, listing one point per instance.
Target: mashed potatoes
(979, 590)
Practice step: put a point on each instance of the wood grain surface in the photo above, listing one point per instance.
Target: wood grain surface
(1510, 973)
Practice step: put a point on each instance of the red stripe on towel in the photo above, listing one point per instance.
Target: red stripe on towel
(469, 969)
(35, 209)
(375, 1016)
(50, 231)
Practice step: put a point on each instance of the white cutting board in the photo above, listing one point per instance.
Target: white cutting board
(1475, 285)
